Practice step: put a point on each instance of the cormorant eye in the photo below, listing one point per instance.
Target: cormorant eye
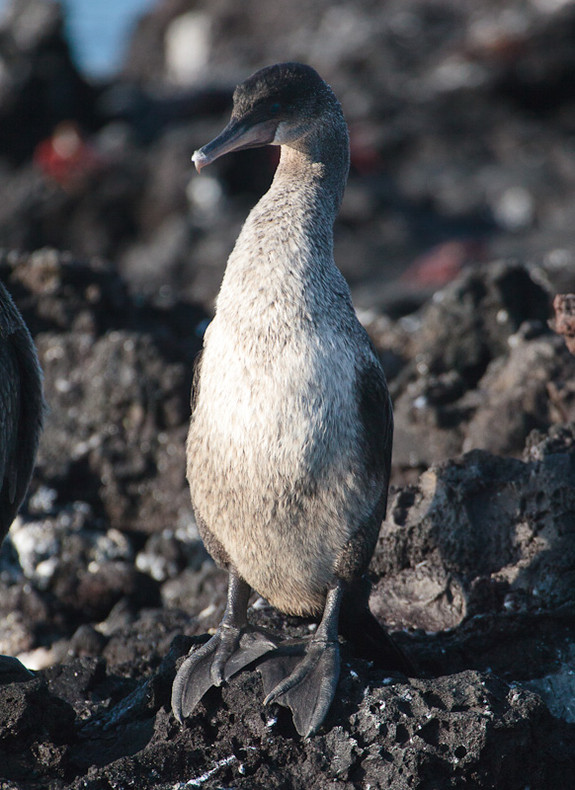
(275, 108)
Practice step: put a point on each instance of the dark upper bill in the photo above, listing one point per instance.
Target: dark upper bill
(237, 136)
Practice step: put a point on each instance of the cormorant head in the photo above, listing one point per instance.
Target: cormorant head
(277, 105)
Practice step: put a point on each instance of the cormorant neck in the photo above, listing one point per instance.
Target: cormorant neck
(284, 253)
(318, 160)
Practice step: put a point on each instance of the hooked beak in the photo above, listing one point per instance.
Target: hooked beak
(235, 137)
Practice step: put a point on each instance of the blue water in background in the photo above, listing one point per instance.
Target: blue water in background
(98, 31)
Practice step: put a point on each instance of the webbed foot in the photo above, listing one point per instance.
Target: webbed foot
(229, 650)
(302, 676)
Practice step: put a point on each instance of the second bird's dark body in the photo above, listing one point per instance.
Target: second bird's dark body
(289, 447)
(21, 409)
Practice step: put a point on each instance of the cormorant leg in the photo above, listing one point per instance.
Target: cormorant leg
(231, 648)
(309, 688)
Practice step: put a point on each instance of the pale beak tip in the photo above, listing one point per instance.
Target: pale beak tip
(199, 160)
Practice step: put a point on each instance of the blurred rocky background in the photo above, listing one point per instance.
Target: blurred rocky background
(456, 234)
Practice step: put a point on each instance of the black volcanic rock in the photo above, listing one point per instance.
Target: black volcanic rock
(481, 369)
(381, 731)
(455, 234)
(117, 381)
(105, 584)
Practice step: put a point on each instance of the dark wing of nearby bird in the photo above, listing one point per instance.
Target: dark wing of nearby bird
(21, 409)
(9, 420)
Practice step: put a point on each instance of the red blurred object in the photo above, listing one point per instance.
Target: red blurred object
(66, 157)
(365, 156)
(443, 263)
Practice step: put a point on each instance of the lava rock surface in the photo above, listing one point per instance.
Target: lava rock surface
(456, 235)
(106, 585)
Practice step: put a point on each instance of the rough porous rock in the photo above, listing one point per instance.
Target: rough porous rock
(481, 552)
(105, 584)
(462, 185)
(481, 369)
(117, 375)
(490, 529)
(469, 728)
